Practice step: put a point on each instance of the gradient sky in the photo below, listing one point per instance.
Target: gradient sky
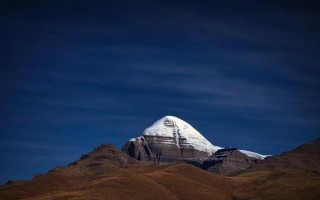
(75, 74)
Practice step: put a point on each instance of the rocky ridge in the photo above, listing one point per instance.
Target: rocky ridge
(228, 162)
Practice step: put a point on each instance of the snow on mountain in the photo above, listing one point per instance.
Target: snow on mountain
(170, 126)
(136, 139)
(173, 127)
(254, 155)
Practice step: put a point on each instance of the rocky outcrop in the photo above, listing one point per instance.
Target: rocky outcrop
(228, 161)
(138, 148)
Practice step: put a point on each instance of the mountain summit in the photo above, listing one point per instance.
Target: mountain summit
(184, 135)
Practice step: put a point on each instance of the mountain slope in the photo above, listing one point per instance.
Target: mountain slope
(305, 157)
(178, 181)
(292, 175)
(114, 175)
(105, 160)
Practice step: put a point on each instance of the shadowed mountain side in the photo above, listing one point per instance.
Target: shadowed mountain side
(291, 175)
(305, 157)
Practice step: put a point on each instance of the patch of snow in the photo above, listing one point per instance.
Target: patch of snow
(175, 130)
(165, 142)
(137, 139)
(254, 155)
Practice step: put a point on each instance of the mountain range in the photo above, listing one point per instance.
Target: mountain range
(171, 160)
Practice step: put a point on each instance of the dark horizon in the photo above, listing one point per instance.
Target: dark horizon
(76, 74)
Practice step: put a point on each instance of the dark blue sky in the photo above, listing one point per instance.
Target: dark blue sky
(75, 74)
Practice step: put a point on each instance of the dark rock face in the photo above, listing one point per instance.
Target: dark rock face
(162, 149)
(139, 150)
(163, 152)
(228, 161)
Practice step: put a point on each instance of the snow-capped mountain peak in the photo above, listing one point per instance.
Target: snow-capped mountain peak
(171, 132)
(170, 126)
